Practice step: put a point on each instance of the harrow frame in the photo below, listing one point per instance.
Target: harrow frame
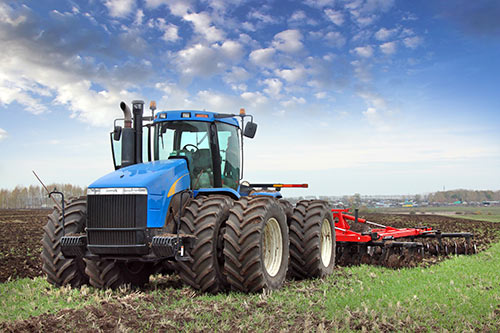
(360, 244)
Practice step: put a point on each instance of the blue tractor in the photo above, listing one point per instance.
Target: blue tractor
(176, 202)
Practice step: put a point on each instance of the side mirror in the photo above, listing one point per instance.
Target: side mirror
(117, 133)
(250, 129)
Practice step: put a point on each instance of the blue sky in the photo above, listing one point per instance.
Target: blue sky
(368, 96)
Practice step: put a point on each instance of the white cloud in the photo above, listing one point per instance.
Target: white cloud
(388, 48)
(367, 12)
(176, 7)
(89, 89)
(248, 26)
(298, 16)
(232, 50)
(384, 34)
(362, 71)
(3, 134)
(335, 16)
(198, 60)
(274, 87)
(412, 42)
(173, 96)
(205, 61)
(170, 31)
(294, 101)
(255, 99)
(8, 16)
(292, 75)
(364, 51)
(335, 38)
(263, 57)
(139, 16)
(322, 72)
(319, 3)
(320, 95)
(88, 105)
(120, 8)
(20, 90)
(217, 102)
(236, 75)
(289, 41)
(376, 120)
(203, 26)
(373, 99)
(262, 17)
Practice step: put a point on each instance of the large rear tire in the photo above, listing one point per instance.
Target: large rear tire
(111, 274)
(205, 218)
(256, 245)
(60, 270)
(312, 240)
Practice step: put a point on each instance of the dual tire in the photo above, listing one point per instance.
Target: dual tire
(240, 245)
(312, 240)
(205, 217)
(256, 245)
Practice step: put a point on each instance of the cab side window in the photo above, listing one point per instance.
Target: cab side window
(229, 145)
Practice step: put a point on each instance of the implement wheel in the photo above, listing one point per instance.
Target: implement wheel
(205, 218)
(105, 274)
(312, 240)
(256, 245)
(59, 270)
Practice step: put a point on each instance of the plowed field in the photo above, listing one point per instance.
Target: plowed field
(22, 230)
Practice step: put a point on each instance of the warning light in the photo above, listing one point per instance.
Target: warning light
(152, 105)
(201, 115)
(242, 112)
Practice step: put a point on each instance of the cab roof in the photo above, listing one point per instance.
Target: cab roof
(194, 115)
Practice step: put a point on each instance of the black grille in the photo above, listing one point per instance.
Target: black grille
(116, 219)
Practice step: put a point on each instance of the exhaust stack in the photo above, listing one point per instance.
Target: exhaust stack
(127, 115)
(128, 137)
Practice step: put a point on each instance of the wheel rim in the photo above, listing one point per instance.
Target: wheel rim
(272, 247)
(326, 242)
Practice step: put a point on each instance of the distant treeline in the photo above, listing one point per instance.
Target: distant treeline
(464, 195)
(36, 196)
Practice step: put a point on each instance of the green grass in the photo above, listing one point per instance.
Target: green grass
(23, 298)
(462, 293)
(488, 213)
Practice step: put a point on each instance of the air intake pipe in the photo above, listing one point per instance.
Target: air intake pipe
(137, 109)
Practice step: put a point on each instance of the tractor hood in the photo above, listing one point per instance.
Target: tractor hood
(157, 177)
(162, 179)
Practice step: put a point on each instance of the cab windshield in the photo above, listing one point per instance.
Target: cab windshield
(189, 140)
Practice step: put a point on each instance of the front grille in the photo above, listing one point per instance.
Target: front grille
(116, 219)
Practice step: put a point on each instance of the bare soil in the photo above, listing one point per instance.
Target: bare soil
(20, 243)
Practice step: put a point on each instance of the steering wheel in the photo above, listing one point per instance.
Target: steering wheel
(190, 145)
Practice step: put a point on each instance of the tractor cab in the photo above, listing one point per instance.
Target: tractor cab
(211, 149)
(210, 143)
